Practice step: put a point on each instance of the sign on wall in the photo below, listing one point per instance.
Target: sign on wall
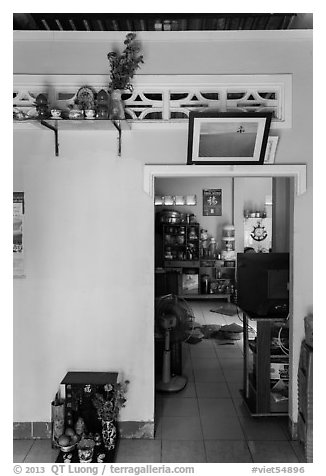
(18, 249)
(258, 234)
(212, 202)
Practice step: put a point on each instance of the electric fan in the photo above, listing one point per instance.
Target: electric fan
(174, 323)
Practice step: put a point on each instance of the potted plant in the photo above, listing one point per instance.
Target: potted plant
(108, 406)
(122, 69)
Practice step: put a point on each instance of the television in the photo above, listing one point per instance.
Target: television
(263, 283)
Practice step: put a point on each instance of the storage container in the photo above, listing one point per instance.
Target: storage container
(228, 231)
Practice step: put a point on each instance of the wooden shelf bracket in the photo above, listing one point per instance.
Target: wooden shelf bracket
(99, 125)
(117, 125)
(53, 128)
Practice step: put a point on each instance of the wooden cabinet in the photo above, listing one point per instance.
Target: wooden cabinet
(79, 388)
(181, 242)
(184, 270)
(265, 380)
(177, 274)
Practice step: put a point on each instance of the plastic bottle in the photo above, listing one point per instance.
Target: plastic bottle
(228, 231)
(205, 284)
(204, 242)
(212, 248)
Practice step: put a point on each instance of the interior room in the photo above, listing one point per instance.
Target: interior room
(147, 272)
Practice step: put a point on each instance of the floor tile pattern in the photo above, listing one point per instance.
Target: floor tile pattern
(205, 422)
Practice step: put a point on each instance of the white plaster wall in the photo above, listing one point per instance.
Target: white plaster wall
(89, 225)
(86, 302)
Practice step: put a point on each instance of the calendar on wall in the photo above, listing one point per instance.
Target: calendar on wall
(18, 246)
(212, 202)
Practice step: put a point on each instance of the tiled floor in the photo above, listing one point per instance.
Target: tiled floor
(207, 421)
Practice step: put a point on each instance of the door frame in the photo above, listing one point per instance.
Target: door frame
(297, 172)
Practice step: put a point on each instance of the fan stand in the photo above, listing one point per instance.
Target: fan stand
(169, 383)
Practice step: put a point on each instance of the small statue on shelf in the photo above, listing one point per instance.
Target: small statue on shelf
(204, 242)
(42, 106)
(102, 110)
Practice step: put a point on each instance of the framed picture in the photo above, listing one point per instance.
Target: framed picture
(270, 150)
(227, 138)
(18, 243)
(212, 202)
(190, 283)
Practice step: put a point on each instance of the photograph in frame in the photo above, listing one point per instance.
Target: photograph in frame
(217, 138)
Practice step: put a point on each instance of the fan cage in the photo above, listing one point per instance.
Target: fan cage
(177, 306)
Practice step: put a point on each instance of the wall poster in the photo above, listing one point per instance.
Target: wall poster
(18, 249)
(212, 202)
(258, 234)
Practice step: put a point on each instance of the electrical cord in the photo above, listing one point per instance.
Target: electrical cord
(284, 349)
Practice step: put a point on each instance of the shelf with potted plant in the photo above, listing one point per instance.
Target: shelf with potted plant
(63, 125)
(105, 125)
(88, 113)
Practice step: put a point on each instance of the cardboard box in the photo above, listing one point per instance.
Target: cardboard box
(190, 284)
(279, 371)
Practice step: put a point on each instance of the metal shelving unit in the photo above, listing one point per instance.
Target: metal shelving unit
(258, 359)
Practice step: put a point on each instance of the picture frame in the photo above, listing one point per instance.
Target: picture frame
(18, 234)
(212, 202)
(224, 138)
(270, 150)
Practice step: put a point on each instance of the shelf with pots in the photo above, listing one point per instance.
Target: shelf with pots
(72, 119)
(88, 110)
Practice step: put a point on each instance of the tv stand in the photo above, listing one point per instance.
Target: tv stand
(260, 360)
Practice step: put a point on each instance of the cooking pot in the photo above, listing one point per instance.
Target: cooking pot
(170, 216)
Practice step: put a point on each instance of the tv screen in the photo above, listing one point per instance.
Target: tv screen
(262, 283)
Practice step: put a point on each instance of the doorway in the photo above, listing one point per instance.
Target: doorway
(297, 177)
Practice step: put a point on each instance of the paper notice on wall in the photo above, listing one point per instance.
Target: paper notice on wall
(212, 202)
(18, 248)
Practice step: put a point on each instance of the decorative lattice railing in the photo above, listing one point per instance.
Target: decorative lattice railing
(169, 98)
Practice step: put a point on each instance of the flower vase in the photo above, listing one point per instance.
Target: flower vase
(109, 434)
(116, 106)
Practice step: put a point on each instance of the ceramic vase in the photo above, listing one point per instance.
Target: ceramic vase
(109, 434)
(116, 106)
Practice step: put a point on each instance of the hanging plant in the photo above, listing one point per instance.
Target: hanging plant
(123, 66)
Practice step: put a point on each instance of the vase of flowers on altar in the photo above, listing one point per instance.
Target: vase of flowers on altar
(108, 405)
